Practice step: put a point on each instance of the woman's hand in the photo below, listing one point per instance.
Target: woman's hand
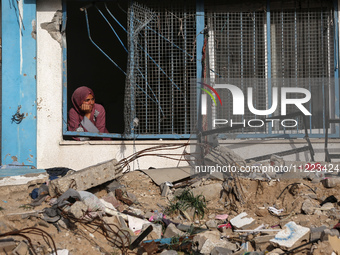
(87, 108)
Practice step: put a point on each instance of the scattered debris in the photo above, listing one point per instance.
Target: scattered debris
(107, 212)
(290, 235)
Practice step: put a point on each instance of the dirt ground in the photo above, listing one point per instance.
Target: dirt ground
(256, 195)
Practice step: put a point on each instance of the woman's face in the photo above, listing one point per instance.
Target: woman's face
(88, 103)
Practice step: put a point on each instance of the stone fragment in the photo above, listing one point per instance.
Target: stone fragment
(308, 207)
(166, 252)
(21, 249)
(210, 192)
(207, 241)
(211, 224)
(131, 196)
(209, 245)
(165, 189)
(7, 246)
(173, 231)
(329, 232)
(331, 182)
(291, 235)
(221, 251)
(156, 232)
(241, 221)
(262, 212)
(315, 233)
(262, 241)
(327, 206)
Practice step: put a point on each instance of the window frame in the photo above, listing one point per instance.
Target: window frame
(200, 26)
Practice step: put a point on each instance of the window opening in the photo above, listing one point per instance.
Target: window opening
(151, 86)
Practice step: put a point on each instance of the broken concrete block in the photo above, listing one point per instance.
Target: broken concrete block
(210, 239)
(7, 246)
(334, 214)
(327, 206)
(209, 245)
(211, 224)
(329, 232)
(210, 192)
(262, 212)
(330, 182)
(21, 249)
(221, 251)
(291, 235)
(165, 189)
(315, 233)
(202, 237)
(86, 178)
(241, 221)
(172, 231)
(261, 241)
(156, 232)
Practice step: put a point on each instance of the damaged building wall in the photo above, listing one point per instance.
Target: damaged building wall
(54, 151)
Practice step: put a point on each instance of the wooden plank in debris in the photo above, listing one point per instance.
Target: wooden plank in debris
(86, 178)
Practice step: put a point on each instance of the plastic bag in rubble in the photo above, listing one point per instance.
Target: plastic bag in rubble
(94, 206)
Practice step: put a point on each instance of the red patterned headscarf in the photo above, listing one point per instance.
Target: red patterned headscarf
(79, 95)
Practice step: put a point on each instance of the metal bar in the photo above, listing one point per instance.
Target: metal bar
(185, 83)
(146, 79)
(199, 46)
(269, 63)
(336, 63)
(132, 66)
(172, 77)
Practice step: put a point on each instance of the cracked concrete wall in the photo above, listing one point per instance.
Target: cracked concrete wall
(53, 151)
(54, 26)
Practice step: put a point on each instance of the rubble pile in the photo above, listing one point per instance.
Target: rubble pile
(134, 212)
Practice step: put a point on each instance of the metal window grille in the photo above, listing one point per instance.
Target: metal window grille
(300, 52)
(161, 63)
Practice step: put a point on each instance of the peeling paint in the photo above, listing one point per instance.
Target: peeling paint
(34, 30)
(53, 27)
(14, 158)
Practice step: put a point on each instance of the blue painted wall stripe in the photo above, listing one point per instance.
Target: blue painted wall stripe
(19, 92)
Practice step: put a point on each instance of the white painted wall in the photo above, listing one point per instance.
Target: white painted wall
(53, 151)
